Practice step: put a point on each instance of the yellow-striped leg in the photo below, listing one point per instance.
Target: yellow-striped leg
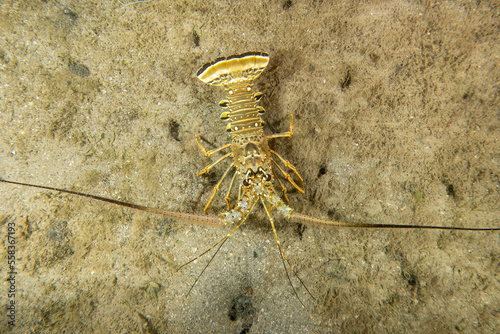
(229, 191)
(209, 153)
(283, 189)
(288, 164)
(216, 188)
(289, 133)
(209, 167)
(288, 177)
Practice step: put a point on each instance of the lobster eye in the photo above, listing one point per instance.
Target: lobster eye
(267, 177)
(245, 183)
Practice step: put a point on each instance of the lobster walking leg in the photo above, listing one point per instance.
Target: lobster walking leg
(209, 167)
(216, 188)
(209, 153)
(288, 177)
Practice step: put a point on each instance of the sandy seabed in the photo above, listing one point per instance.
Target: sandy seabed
(397, 121)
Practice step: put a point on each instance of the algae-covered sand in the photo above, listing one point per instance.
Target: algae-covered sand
(396, 108)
